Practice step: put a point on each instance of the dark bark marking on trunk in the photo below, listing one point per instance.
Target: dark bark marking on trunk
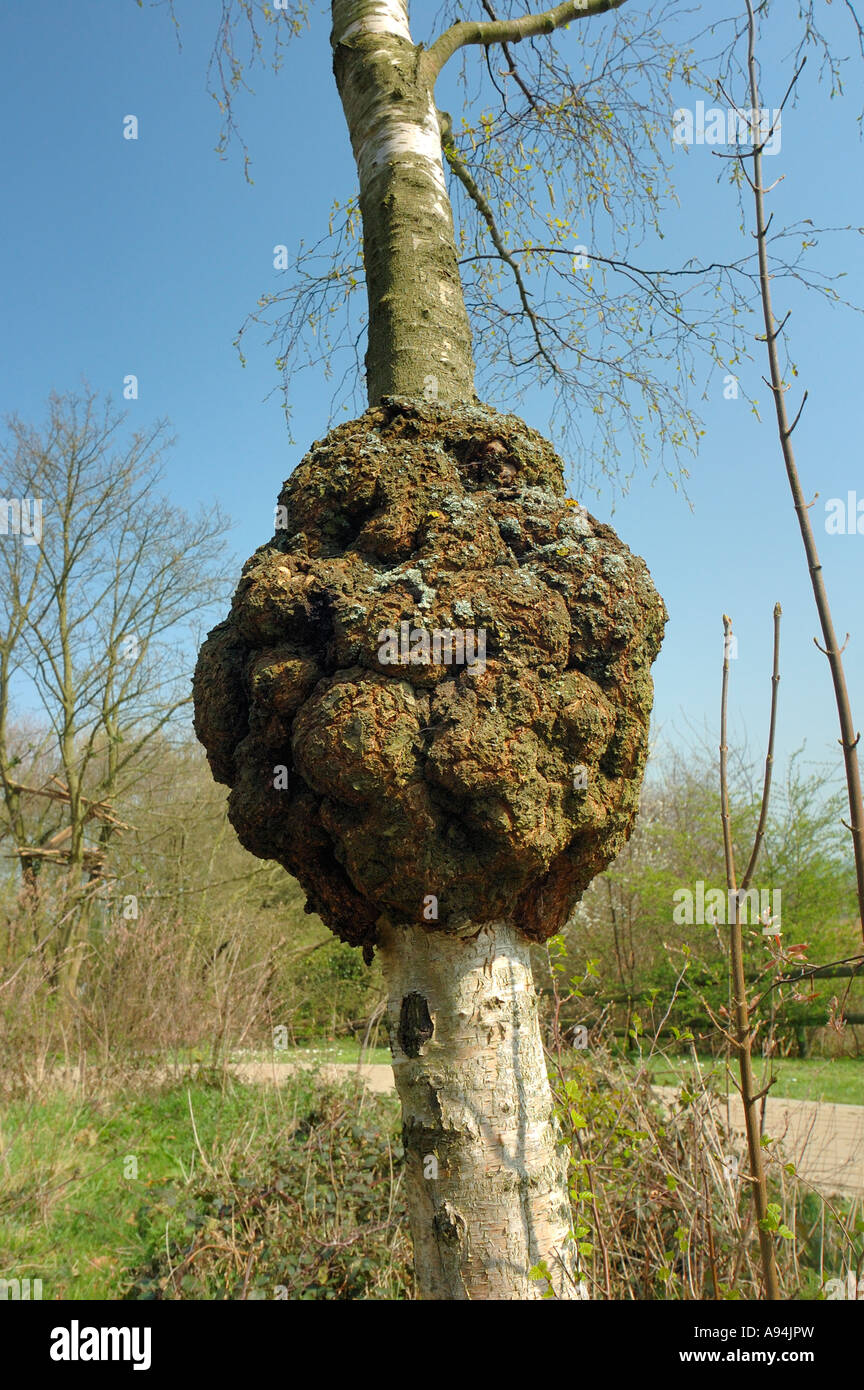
(415, 1024)
(450, 1230)
(449, 1225)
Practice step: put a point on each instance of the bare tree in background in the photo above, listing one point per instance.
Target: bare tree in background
(97, 608)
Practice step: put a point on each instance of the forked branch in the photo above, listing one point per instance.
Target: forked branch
(529, 26)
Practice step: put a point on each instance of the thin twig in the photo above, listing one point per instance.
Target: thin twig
(743, 1031)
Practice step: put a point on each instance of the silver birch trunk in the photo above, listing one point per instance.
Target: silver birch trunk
(419, 337)
(486, 1182)
(485, 1175)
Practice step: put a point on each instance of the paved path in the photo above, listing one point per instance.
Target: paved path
(377, 1076)
(825, 1142)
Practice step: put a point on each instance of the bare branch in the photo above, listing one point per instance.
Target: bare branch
(486, 213)
(769, 757)
(505, 31)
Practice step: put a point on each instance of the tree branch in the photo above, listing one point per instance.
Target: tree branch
(526, 91)
(769, 758)
(461, 172)
(510, 30)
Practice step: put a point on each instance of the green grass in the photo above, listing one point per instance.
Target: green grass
(839, 1080)
(75, 1213)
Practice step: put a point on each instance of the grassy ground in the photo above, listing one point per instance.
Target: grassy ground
(205, 1188)
(201, 1190)
(839, 1081)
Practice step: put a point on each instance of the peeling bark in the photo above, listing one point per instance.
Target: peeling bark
(484, 1174)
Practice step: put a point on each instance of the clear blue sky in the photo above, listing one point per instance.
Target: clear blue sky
(145, 256)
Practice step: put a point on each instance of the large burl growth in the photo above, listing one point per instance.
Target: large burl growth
(498, 788)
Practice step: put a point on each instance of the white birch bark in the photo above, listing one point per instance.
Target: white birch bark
(485, 1175)
(419, 337)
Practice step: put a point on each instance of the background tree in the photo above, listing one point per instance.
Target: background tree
(96, 614)
(625, 922)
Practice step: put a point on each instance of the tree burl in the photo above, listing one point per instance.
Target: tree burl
(427, 790)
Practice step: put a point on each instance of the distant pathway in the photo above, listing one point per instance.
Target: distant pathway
(825, 1142)
(377, 1076)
